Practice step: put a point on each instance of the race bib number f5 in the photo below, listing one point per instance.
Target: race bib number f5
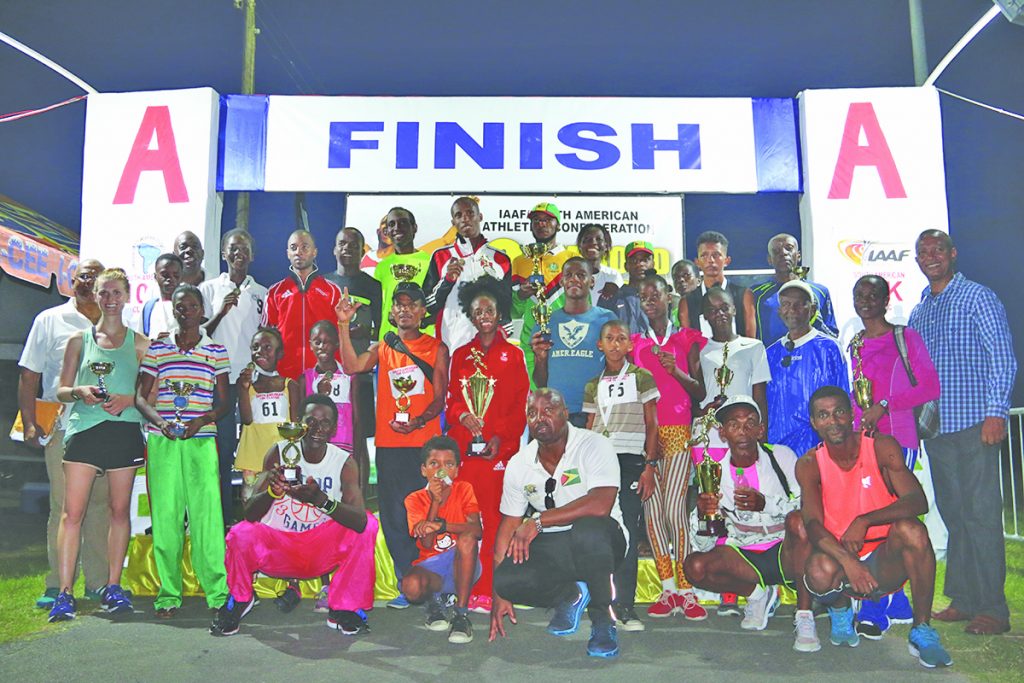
(614, 390)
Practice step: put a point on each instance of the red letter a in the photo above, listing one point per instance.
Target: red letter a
(861, 117)
(164, 158)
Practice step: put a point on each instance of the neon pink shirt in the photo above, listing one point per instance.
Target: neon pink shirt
(675, 405)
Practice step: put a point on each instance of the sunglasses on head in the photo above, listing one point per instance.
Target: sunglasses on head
(549, 493)
(788, 360)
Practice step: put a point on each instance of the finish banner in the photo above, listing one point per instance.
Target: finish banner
(873, 180)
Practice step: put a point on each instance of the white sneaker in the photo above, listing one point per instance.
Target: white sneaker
(806, 632)
(761, 604)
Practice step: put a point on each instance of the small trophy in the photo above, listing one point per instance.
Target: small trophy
(709, 478)
(404, 385)
(536, 253)
(293, 432)
(800, 271)
(723, 374)
(181, 390)
(542, 314)
(404, 272)
(478, 390)
(101, 369)
(862, 387)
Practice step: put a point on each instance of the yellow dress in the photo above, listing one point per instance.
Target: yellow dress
(269, 409)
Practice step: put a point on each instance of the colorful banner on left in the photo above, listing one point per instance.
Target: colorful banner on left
(34, 248)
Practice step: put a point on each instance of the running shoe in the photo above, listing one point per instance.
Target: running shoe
(229, 616)
(288, 599)
(45, 601)
(401, 602)
(461, 631)
(899, 610)
(480, 604)
(115, 601)
(806, 632)
(924, 644)
(566, 619)
(872, 622)
(604, 641)
(668, 603)
(843, 632)
(63, 608)
(348, 622)
(728, 605)
(321, 606)
(436, 620)
(692, 609)
(761, 605)
(626, 619)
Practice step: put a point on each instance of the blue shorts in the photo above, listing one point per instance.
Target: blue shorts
(443, 564)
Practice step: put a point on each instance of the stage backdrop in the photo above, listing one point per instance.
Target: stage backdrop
(873, 180)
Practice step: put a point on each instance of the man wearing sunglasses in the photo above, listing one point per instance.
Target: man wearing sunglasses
(803, 360)
(561, 535)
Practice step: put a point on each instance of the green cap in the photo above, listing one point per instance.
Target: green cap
(548, 208)
(639, 245)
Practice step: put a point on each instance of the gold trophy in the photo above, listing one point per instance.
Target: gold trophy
(709, 478)
(800, 271)
(536, 253)
(404, 272)
(101, 369)
(542, 315)
(293, 433)
(862, 387)
(404, 384)
(723, 374)
(181, 390)
(478, 390)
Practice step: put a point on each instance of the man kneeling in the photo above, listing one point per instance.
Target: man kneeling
(860, 507)
(765, 544)
(306, 530)
(445, 520)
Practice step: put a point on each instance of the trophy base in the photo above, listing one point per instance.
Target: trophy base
(537, 281)
(402, 418)
(178, 429)
(291, 475)
(545, 336)
(477, 447)
(713, 527)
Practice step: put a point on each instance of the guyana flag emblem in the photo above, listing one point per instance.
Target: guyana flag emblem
(570, 477)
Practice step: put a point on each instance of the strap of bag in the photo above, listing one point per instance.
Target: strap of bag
(395, 342)
(147, 314)
(768, 448)
(901, 346)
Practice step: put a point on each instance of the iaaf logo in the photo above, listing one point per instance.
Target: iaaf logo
(863, 253)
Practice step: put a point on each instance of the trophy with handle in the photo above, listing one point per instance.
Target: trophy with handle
(101, 369)
(709, 478)
(478, 390)
(542, 314)
(404, 384)
(181, 390)
(723, 374)
(862, 386)
(293, 433)
(535, 252)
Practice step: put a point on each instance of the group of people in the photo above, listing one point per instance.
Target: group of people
(533, 419)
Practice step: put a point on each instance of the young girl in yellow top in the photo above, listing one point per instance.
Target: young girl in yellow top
(265, 400)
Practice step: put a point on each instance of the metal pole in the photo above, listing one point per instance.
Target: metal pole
(248, 87)
(917, 42)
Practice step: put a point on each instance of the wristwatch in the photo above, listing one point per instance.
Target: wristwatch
(536, 520)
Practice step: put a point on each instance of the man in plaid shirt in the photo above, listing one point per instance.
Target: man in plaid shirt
(964, 326)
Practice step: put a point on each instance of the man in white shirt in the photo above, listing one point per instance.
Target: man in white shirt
(235, 307)
(41, 362)
(563, 553)
(157, 317)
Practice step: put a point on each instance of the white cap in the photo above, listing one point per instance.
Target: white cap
(738, 400)
(802, 286)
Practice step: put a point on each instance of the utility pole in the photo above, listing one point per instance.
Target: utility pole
(248, 87)
(917, 43)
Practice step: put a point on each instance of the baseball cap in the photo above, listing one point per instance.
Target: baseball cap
(737, 400)
(639, 245)
(548, 208)
(802, 286)
(410, 289)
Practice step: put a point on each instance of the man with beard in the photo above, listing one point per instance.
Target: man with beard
(545, 219)
(783, 256)
(189, 249)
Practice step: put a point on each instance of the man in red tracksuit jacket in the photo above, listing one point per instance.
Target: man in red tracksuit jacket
(298, 302)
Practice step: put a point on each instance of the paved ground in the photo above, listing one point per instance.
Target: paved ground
(299, 648)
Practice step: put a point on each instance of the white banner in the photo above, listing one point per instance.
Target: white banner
(149, 173)
(873, 180)
(510, 144)
(658, 220)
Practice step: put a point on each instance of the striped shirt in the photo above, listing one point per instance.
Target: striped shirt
(626, 426)
(968, 338)
(198, 366)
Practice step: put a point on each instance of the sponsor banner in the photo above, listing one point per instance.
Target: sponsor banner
(149, 173)
(658, 220)
(873, 180)
(30, 260)
(508, 144)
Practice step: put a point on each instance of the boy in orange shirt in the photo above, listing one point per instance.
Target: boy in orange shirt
(444, 518)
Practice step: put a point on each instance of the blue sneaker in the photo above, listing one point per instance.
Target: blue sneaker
(63, 608)
(899, 610)
(45, 601)
(401, 602)
(566, 619)
(924, 644)
(604, 641)
(843, 632)
(114, 600)
(871, 620)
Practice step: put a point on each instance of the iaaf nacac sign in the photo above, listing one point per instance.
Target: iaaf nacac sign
(504, 144)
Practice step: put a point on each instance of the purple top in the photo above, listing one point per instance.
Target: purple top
(882, 365)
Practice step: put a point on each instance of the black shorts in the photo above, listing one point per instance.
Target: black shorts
(767, 564)
(107, 446)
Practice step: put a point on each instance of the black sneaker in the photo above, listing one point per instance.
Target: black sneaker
(289, 599)
(348, 622)
(436, 619)
(229, 617)
(461, 631)
(626, 618)
(870, 630)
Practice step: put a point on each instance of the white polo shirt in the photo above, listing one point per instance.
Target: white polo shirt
(589, 462)
(236, 329)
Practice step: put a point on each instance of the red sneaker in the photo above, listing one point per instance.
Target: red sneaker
(691, 607)
(668, 604)
(481, 604)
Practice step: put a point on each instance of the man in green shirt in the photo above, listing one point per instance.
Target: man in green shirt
(407, 264)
